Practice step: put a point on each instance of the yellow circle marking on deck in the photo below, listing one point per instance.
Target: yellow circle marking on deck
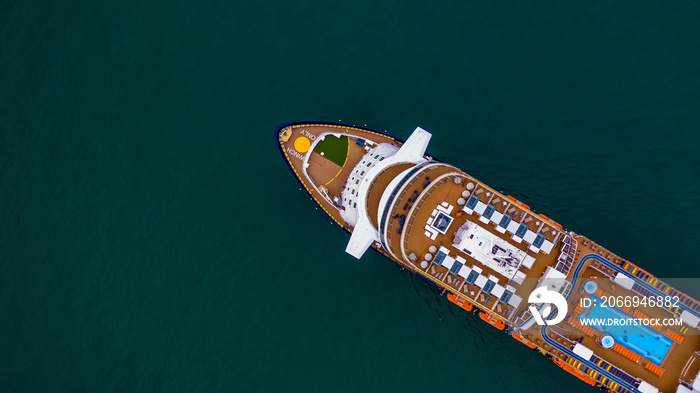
(302, 144)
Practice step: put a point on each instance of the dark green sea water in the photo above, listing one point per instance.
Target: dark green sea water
(152, 239)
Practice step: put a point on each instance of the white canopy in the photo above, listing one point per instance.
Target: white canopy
(448, 262)
(624, 280)
(515, 300)
(692, 320)
(547, 246)
(497, 291)
(480, 281)
(489, 249)
(553, 279)
(530, 236)
(583, 351)
(646, 387)
(464, 271)
(528, 261)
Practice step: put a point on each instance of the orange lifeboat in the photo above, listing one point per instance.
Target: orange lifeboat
(460, 301)
(523, 340)
(518, 202)
(558, 225)
(576, 373)
(495, 322)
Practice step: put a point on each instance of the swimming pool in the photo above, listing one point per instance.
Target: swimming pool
(641, 339)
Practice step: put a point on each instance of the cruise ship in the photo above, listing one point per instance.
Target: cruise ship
(598, 316)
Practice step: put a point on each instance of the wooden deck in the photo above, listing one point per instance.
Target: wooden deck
(322, 171)
(438, 185)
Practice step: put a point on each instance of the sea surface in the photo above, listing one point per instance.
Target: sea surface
(153, 240)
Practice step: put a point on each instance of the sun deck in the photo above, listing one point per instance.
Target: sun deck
(438, 193)
(634, 359)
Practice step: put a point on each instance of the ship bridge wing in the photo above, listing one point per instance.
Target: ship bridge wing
(362, 237)
(413, 149)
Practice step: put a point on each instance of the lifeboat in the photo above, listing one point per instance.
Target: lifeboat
(518, 202)
(523, 340)
(495, 322)
(558, 225)
(460, 301)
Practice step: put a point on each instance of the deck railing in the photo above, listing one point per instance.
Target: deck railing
(415, 178)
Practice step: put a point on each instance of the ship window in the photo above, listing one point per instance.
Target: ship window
(357, 182)
(377, 156)
(369, 165)
(354, 205)
(382, 159)
(362, 173)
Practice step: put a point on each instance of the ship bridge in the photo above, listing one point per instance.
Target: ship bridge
(411, 154)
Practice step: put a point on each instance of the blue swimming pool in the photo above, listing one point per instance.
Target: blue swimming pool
(590, 287)
(641, 339)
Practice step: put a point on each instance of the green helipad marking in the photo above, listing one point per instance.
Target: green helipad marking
(333, 148)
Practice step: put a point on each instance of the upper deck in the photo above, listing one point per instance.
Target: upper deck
(486, 279)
